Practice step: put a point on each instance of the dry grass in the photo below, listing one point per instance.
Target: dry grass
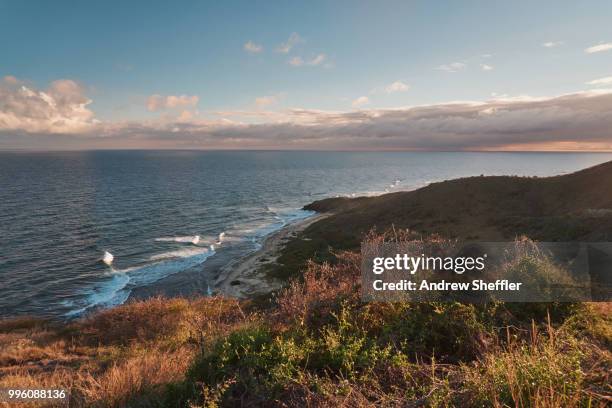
(118, 357)
(317, 346)
(550, 368)
(325, 348)
(140, 377)
(319, 292)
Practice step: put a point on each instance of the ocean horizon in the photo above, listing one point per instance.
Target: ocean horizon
(172, 218)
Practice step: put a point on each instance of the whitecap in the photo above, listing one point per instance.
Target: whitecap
(108, 258)
(117, 288)
(187, 239)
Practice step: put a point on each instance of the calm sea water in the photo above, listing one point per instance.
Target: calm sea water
(60, 211)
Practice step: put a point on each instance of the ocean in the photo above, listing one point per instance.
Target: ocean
(59, 212)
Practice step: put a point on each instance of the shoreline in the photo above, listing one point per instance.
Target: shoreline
(243, 278)
(244, 269)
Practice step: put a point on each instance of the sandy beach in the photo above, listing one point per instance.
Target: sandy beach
(244, 277)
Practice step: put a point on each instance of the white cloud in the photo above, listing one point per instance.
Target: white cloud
(551, 44)
(293, 40)
(452, 67)
(318, 60)
(61, 108)
(599, 48)
(299, 61)
(486, 67)
(511, 123)
(361, 101)
(505, 123)
(601, 81)
(397, 86)
(252, 48)
(159, 102)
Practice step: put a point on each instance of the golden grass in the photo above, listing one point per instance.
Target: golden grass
(383, 354)
(140, 376)
(116, 356)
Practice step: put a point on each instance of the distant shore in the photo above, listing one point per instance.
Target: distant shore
(244, 277)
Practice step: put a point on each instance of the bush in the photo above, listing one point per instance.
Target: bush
(547, 371)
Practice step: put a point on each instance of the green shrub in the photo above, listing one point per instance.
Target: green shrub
(451, 331)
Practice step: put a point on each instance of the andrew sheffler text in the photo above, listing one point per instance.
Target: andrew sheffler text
(424, 285)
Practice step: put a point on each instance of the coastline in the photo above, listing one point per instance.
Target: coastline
(243, 277)
(144, 349)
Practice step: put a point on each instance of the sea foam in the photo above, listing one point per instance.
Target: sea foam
(116, 289)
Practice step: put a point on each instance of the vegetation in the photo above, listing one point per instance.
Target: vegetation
(120, 357)
(315, 343)
(572, 207)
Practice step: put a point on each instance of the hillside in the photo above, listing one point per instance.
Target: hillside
(488, 207)
(570, 207)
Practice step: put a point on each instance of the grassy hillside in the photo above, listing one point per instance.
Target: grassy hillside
(316, 344)
(576, 206)
(487, 208)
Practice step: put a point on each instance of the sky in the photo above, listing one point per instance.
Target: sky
(337, 75)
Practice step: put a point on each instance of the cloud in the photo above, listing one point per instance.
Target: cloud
(10, 80)
(452, 67)
(318, 60)
(499, 124)
(61, 108)
(252, 48)
(293, 40)
(551, 44)
(58, 118)
(601, 81)
(185, 116)
(505, 123)
(393, 87)
(158, 102)
(299, 61)
(486, 67)
(397, 86)
(362, 100)
(599, 48)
